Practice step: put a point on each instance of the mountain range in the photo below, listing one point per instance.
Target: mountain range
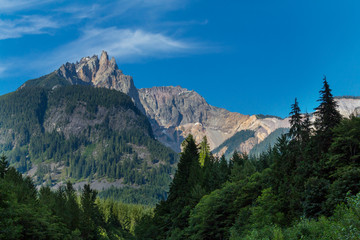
(175, 112)
(87, 121)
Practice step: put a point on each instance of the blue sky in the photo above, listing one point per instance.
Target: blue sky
(246, 56)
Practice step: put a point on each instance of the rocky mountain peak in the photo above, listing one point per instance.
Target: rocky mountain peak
(104, 57)
(100, 73)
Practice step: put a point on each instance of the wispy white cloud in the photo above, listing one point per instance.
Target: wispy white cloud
(71, 13)
(130, 9)
(25, 25)
(96, 30)
(7, 6)
(76, 11)
(124, 44)
(162, 5)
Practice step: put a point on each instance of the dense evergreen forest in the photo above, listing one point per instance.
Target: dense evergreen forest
(26, 213)
(305, 187)
(81, 133)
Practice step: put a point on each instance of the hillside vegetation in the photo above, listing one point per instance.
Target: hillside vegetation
(26, 213)
(305, 187)
(83, 133)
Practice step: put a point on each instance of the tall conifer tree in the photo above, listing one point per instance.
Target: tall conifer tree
(295, 121)
(173, 213)
(189, 161)
(3, 166)
(204, 151)
(306, 127)
(327, 116)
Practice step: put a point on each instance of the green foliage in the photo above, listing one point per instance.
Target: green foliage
(183, 185)
(26, 213)
(213, 215)
(345, 147)
(144, 195)
(3, 166)
(295, 131)
(242, 167)
(344, 161)
(100, 150)
(204, 151)
(21, 115)
(266, 210)
(327, 116)
(123, 215)
(48, 82)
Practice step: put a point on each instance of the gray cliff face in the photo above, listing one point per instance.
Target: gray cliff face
(100, 73)
(176, 112)
(174, 106)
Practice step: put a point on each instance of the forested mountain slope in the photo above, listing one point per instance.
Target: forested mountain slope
(83, 133)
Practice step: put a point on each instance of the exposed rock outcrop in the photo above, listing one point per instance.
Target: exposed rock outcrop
(176, 112)
(100, 73)
(348, 106)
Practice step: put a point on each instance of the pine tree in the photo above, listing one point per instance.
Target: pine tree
(90, 216)
(188, 163)
(173, 213)
(204, 151)
(3, 166)
(295, 122)
(224, 169)
(306, 127)
(327, 116)
(71, 207)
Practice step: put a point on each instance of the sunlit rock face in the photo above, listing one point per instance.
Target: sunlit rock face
(348, 106)
(100, 73)
(175, 112)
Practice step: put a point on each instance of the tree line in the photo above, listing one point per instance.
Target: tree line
(302, 188)
(28, 213)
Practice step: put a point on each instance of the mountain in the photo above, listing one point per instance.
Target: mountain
(81, 133)
(175, 112)
(92, 71)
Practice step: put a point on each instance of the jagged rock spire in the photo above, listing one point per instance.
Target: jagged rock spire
(100, 73)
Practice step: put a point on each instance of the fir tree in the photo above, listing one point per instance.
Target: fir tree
(295, 121)
(189, 160)
(224, 169)
(173, 213)
(90, 214)
(306, 127)
(327, 116)
(3, 166)
(204, 151)
(72, 207)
